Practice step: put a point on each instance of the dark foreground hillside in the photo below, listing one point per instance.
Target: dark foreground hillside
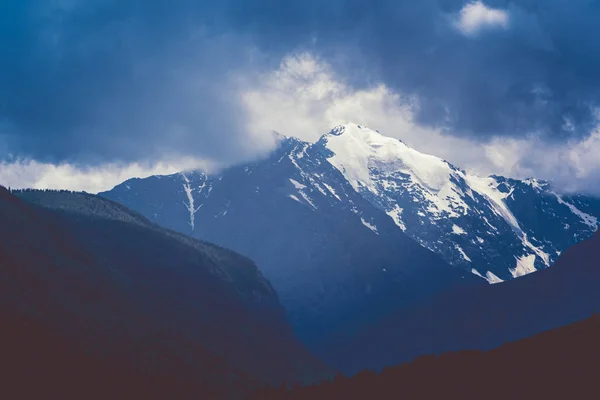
(560, 364)
(97, 301)
(37, 362)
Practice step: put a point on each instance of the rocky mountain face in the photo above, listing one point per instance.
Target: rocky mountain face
(336, 260)
(352, 226)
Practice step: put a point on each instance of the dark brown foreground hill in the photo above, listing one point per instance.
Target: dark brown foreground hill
(560, 364)
(97, 302)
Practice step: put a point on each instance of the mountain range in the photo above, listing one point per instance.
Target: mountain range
(377, 255)
(358, 224)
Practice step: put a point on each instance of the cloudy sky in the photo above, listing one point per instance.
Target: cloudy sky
(93, 92)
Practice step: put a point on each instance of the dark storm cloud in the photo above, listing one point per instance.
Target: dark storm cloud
(132, 79)
(114, 80)
(540, 75)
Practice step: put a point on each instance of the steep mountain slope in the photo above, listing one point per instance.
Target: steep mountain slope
(558, 364)
(122, 291)
(336, 261)
(497, 227)
(480, 318)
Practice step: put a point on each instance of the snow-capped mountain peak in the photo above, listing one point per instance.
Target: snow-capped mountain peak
(357, 150)
(427, 197)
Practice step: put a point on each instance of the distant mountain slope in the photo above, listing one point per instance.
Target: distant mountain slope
(117, 287)
(336, 261)
(479, 318)
(559, 364)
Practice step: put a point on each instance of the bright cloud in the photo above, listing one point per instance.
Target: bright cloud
(304, 98)
(32, 174)
(475, 16)
(573, 167)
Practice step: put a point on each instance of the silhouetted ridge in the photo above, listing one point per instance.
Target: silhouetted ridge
(38, 362)
(81, 203)
(227, 264)
(116, 290)
(559, 364)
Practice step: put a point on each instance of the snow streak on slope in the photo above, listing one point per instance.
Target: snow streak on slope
(589, 220)
(489, 276)
(396, 215)
(190, 200)
(525, 265)
(488, 187)
(493, 278)
(311, 183)
(368, 225)
(462, 253)
(457, 230)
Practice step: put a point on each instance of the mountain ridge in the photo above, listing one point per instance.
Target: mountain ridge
(137, 294)
(447, 210)
(557, 364)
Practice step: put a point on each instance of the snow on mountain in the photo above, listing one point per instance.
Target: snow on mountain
(463, 217)
(589, 220)
(357, 152)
